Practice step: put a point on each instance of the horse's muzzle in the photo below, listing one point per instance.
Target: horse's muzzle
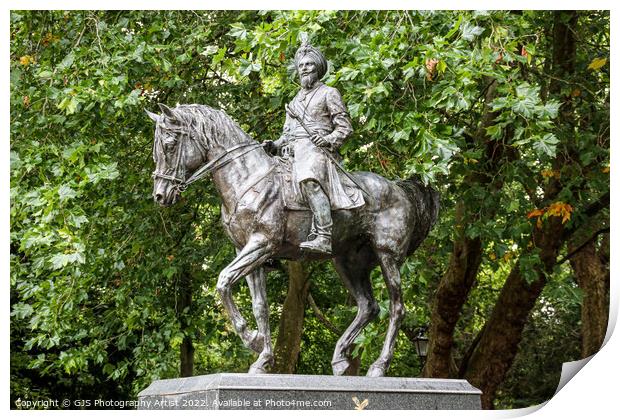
(166, 200)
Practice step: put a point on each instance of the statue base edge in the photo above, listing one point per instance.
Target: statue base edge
(240, 391)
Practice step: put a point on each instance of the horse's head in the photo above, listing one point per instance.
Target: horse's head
(176, 152)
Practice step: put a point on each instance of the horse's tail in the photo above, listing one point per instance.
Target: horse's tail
(425, 200)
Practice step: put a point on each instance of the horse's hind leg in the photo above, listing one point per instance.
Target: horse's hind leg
(258, 291)
(354, 270)
(391, 275)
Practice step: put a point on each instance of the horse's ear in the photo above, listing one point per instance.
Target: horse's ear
(168, 112)
(152, 115)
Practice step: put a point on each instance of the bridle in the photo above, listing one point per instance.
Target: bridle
(182, 184)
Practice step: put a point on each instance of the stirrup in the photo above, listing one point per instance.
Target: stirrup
(320, 245)
(313, 233)
(319, 239)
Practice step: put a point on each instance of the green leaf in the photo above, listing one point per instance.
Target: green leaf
(138, 52)
(546, 144)
(246, 67)
(22, 310)
(551, 109)
(238, 31)
(210, 50)
(441, 66)
(500, 103)
(15, 161)
(67, 61)
(219, 56)
(470, 31)
(45, 74)
(78, 221)
(348, 73)
(59, 261)
(66, 193)
(183, 58)
(526, 107)
(69, 104)
(455, 27)
(530, 265)
(495, 131)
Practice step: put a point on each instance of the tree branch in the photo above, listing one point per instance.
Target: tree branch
(321, 317)
(470, 352)
(598, 205)
(580, 247)
(592, 210)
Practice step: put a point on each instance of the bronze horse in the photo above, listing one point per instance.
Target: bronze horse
(194, 140)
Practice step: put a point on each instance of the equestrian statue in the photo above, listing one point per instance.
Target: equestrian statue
(292, 199)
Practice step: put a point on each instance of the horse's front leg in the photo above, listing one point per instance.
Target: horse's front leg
(258, 290)
(251, 257)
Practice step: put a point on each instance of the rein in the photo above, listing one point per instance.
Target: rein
(182, 184)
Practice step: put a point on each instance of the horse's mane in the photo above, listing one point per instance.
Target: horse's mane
(215, 126)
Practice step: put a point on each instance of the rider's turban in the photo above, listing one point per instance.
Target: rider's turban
(317, 56)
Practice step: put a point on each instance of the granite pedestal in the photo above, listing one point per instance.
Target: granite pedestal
(240, 391)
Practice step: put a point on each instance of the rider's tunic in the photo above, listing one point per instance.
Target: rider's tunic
(322, 111)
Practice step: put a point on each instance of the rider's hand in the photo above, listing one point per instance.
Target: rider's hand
(320, 141)
(270, 147)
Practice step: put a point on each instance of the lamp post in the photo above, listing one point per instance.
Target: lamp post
(420, 341)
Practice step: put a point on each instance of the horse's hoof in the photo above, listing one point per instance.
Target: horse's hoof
(257, 342)
(257, 370)
(375, 371)
(261, 365)
(340, 366)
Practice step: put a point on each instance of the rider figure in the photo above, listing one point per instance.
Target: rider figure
(317, 124)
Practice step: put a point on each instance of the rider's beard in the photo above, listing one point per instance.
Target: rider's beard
(309, 80)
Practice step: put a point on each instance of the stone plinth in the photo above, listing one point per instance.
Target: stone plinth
(240, 391)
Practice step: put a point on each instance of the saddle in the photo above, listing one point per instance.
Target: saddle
(291, 195)
(293, 198)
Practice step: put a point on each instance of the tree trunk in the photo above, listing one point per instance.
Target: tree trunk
(449, 299)
(185, 302)
(292, 319)
(187, 357)
(564, 46)
(498, 345)
(465, 260)
(591, 274)
(494, 354)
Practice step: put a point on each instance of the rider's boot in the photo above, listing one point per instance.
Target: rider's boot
(320, 238)
(319, 241)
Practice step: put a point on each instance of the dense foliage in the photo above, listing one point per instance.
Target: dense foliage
(102, 302)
